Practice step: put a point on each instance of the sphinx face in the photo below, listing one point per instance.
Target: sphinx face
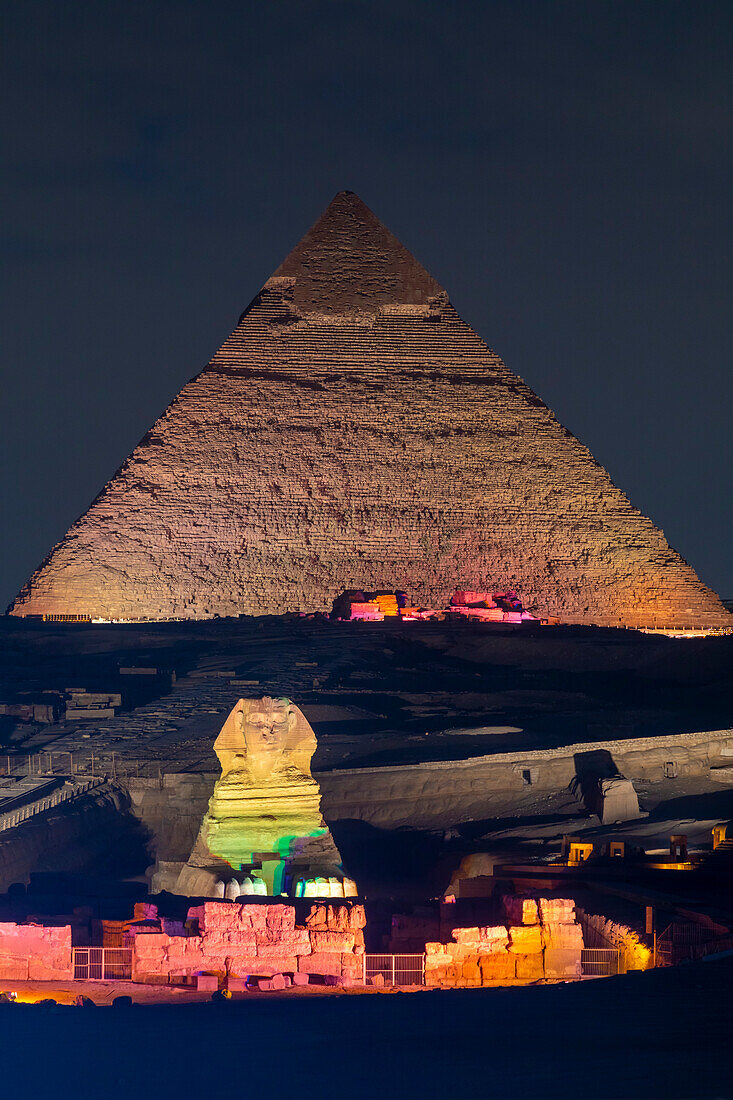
(261, 739)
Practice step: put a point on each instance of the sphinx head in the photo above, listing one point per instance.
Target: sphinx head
(261, 736)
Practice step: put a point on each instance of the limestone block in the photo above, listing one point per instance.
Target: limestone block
(498, 967)
(619, 801)
(280, 916)
(321, 963)
(471, 969)
(525, 939)
(317, 917)
(434, 950)
(332, 941)
(530, 967)
(207, 983)
(255, 915)
(13, 968)
(356, 916)
(300, 978)
(237, 985)
(562, 936)
(339, 917)
(294, 942)
(557, 910)
(561, 962)
(242, 966)
(485, 937)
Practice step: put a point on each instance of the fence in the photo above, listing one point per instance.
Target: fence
(102, 964)
(684, 940)
(395, 969)
(84, 765)
(14, 817)
(600, 962)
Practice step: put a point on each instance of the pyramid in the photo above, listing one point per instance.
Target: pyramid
(354, 432)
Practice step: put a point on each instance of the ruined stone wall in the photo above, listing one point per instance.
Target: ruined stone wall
(354, 432)
(244, 940)
(34, 952)
(544, 943)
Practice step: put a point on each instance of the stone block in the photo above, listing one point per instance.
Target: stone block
(300, 978)
(207, 983)
(237, 985)
(471, 969)
(294, 940)
(563, 936)
(332, 941)
(557, 910)
(317, 918)
(243, 967)
(339, 918)
(498, 967)
(13, 969)
(525, 939)
(530, 968)
(321, 963)
(357, 917)
(280, 917)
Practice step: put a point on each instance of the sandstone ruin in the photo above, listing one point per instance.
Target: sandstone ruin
(264, 832)
(353, 431)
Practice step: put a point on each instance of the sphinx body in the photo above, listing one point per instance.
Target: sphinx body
(263, 830)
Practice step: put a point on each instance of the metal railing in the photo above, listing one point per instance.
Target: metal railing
(395, 969)
(600, 962)
(89, 765)
(15, 817)
(102, 964)
(685, 940)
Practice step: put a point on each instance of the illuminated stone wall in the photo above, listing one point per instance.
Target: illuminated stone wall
(33, 952)
(544, 943)
(243, 940)
(353, 431)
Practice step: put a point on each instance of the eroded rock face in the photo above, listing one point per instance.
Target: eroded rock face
(353, 431)
(264, 818)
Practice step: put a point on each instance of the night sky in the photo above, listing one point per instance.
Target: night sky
(563, 169)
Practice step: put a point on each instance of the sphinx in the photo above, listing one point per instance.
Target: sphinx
(263, 832)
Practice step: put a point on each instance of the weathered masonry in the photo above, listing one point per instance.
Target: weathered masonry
(354, 432)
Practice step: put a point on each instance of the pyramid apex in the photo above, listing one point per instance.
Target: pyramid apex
(349, 262)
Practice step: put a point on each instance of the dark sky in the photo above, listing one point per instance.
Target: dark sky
(564, 170)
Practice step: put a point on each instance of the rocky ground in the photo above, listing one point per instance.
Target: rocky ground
(384, 694)
(375, 693)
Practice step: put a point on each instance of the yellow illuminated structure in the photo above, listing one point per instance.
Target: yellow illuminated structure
(264, 832)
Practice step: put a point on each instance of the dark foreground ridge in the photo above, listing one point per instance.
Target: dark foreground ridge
(646, 1034)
